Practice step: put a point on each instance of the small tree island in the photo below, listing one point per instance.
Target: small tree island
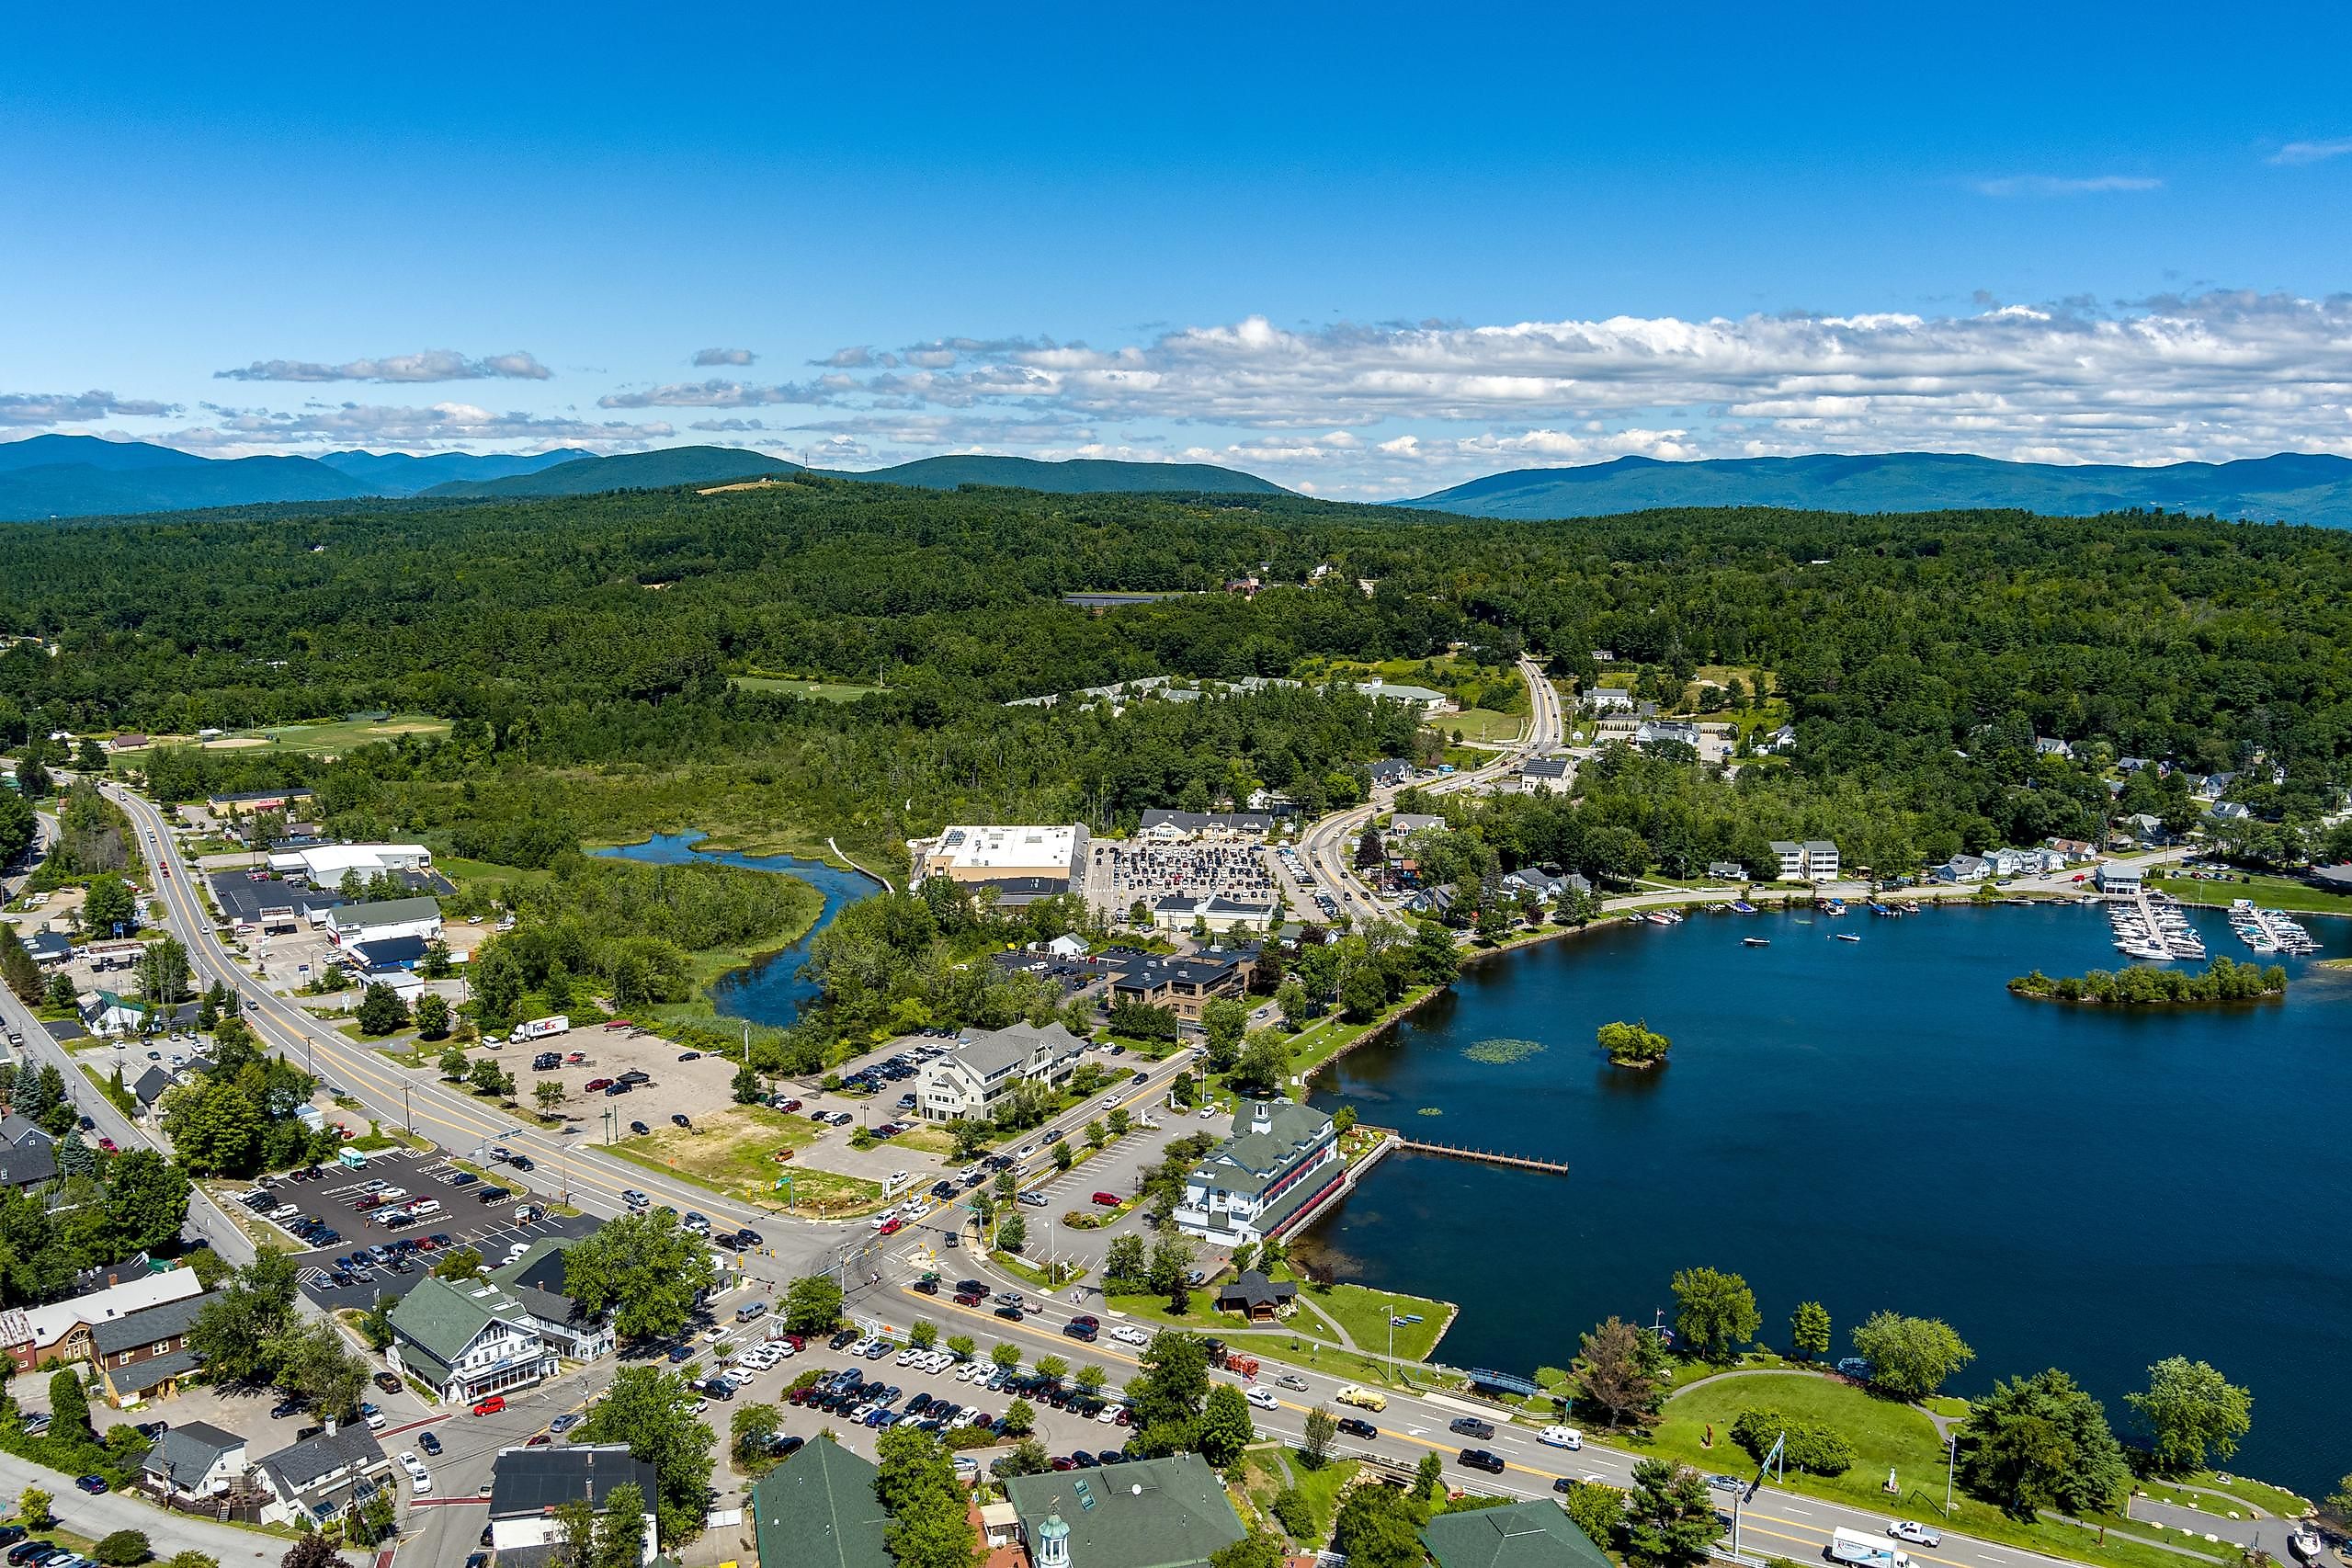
(1633, 1045)
(2226, 981)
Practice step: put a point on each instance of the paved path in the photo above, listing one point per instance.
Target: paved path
(112, 1511)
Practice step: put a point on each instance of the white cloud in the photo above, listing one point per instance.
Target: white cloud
(2053, 185)
(717, 394)
(433, 365)
(705, 357)
(34, 411)
(440, 427)
(2312, 152)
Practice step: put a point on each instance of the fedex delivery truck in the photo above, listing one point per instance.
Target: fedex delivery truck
(540, 1028)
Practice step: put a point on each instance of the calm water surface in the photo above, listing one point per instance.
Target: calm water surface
(773, 990)
(1881, 1124)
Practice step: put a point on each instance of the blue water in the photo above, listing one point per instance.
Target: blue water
(1881, 1124)
(773, 990)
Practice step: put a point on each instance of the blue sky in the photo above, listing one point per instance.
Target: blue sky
(1362, 250)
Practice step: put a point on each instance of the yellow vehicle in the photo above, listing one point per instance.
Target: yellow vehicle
(1362, 1398)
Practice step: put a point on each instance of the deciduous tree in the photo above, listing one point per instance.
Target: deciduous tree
(2193, 1415)
(1716, 1312)
(646, 1268)
(1909, 1356)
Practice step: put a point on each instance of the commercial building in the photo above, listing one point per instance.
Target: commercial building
(1162, 1512)
(977, 856)
(1281, 1159)
(144, 1355)
(527, 1486)
(1183, 985)
(60, 1331)
(386, 920)
(1535, 1534)
(466, 1343)
(536, 1281)
(1419, 697)
(2122, 881)
(1220, 915)
(1815, 860)
(325, 865)
(194, 1460)
(971, 1080)
(1172, 828)
(229, 807)
(817, 1510)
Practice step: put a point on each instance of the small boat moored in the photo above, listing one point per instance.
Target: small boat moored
(1756, 941)
(1844, 937)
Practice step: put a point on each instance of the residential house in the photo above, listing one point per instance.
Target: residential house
(2212, 787)
(817, 1510)
(2049, 746)
(971, 1080)
(1608, 698)
(1281, 1159)
(1537, 1533)
(110, 1015)
(1389, 772)
(467, 1340)
(1547, 775)
(2131, 763)
(60, 1331)
(527, 1486)
(536, 1280)
(358, 925)
(144, 1355)
(1781, 740)
(323, 1478)
(1962, 868)
(2069, 850)
(1533, 880)
(194, 1460)
(1162, 1512)
(1183, 985)
(149, 1087)
(1726, 871)
(1404, 824)
(1815, 860)
(2147, 828)
(28, 1154)
(2229, 811)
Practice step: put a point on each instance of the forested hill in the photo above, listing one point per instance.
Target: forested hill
(2293, 487)
(630, 470)
(1074, 477)
(583, 646)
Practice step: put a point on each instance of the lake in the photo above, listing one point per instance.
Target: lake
(1881, 1124)
(773, 990)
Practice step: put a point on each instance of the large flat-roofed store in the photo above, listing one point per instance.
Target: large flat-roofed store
(1031, 861)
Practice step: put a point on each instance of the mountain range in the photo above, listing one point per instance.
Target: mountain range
(66, 476)
(2295, 487)
(81, 476)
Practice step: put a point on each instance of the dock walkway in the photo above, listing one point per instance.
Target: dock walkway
(1486, 1156)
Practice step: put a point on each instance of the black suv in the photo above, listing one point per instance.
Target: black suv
(1479, 1458)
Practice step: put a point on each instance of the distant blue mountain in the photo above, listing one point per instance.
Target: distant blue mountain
(631, 471)
(404, 473)
(2295, 487)
(90, 451)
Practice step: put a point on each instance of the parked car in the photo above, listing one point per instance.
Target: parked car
(387, 1382)
(679, 1119)
(491, 1406)
(594, 1084)
(1108, 1199)
(92, 1484)
(640, 1129)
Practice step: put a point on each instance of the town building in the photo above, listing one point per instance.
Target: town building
(978, 856)
(1534, 1534)
(1608, 699)
(144, 1355)
(536, 1280)
(1281, 1159)
(1219, 914)
(527, 1486)
(192, 1461)
(1547, 776)
(325, 865)
(60, 1331)
(466, 1342)
(230, 807)
(971, 1080)
(1161, 1513)
(1185, 985)
(323, 1478)
(385, 920)
(1172, 828)
(1404, 824)
(2122, 881)
(1815, 860)
(817, 1510)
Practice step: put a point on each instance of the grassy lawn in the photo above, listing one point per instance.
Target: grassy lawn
(929, 1140)
(823, 690)
(1477, 724)
(1364, 1313)
(1030, 1273)
(1326, 1038)
(1884, 1434)
(2271, 893)
(1267, 1471)
(2273, 1500)
(337, 738)
(731, 1151)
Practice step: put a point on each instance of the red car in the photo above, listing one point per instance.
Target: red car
(893, 1227)
(577, 1059)
(596, 1084)
(1108, 1199)
(491, 1406)
(107, 1144)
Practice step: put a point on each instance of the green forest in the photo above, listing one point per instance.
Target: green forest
(581, 646)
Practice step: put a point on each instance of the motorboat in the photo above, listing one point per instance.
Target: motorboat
(1844, 937)
(1756, 941)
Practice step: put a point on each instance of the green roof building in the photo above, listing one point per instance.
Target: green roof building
(1538, 1534)
(1165, 1512)
(818, 1510)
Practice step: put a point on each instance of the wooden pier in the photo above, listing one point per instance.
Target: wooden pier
(1485, 1157)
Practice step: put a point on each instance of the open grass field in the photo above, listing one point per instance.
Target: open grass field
(335, 738)
(823, 690)
(1885, 1434)
(732, 1151)
(2271, 892)
(1482, 724)
(1364, 1314)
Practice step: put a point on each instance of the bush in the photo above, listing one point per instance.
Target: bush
(123, 1548)
(1821, 1449)
(1291, 1512)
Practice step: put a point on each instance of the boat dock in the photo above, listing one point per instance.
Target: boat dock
(1485, 1157)
(2269, 930)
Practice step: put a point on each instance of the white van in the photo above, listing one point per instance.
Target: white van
(1864, 1550)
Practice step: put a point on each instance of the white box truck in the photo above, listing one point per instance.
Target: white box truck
(1864, 1550)
(540, 1028)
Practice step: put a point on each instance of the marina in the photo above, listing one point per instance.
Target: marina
(2267, 931)
(2153, 927)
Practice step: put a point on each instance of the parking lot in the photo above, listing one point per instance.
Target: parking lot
(606, 1054)
(338, 1197)
(1122, 873)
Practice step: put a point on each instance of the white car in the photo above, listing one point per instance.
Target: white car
(1110, 1102)
(1561, 1438)
(411, 1463)
(906, 1357)
(420, 1483)
(1127, 1333)
(1109, 1415)
(1261, 1396)
(737, 1376)
(1915, 1533)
